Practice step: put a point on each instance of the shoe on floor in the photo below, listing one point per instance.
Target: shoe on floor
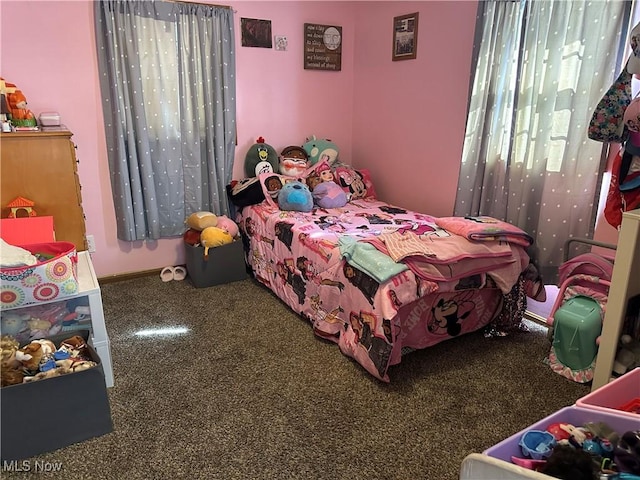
(167, 274)
(179, 272)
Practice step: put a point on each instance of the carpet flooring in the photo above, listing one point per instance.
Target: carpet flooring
(248, 392)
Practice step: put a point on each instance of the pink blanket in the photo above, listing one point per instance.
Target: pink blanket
(298, 256)
(483, 228)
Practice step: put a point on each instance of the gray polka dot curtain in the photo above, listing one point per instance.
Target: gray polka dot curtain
(541, 68)
(167, 77)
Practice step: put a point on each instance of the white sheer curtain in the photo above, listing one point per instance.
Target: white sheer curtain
(542, 67)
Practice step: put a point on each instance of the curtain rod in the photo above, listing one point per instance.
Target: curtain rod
(200, 3)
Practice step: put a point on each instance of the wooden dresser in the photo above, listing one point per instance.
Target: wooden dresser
(42, 167)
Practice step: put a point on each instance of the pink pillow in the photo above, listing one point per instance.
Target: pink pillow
(356, 183)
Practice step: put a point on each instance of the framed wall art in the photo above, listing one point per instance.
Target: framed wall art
(322, 47)
(405, 37)
(255, 32)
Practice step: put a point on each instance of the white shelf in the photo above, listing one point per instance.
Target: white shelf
(625, 283)
(89, 287)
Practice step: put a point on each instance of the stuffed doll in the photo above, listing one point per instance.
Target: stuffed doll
(293, 161)
(329, 195)
(320, 149)
(325, 192)
(295, 196)
(261, 158)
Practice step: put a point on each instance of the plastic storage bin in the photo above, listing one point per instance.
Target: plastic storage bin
(609, 398)
(481, 467)
(574, 415)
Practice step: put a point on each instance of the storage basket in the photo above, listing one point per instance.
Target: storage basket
(54, 276)
(577, 416)
(620, 396)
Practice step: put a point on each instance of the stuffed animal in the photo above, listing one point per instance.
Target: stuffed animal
(212, 237)
(329, 195)
(39, 328)
(10, 367)
(201, 220)
(191, 237)
(8, 348)
(75, 347)
(294, 161)
(21, 116)
(54, 372)
(320, 149)
(35, 353)
(295, 196)
(13, 323)
(75, 364)
(228, 225)
(261, 158)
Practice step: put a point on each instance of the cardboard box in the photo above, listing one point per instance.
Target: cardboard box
(225, 264)
(46, 415)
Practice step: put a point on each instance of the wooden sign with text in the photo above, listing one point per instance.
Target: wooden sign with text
(322, 47)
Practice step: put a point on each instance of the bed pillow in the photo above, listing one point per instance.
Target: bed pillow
(295, 196)
(329, 195)
(355, 183)
(271, 184)
(245, 192)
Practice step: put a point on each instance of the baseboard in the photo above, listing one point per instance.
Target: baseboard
(536, 318)
(129, 276)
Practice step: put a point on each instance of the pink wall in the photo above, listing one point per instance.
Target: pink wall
(403, 120)
(409, 116)
(277, 99)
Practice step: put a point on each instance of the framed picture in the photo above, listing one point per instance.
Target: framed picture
(255, 32)
(322, 47)
(405, 37)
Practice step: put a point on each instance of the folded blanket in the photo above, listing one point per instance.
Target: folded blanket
(485, 228)
(366, 258)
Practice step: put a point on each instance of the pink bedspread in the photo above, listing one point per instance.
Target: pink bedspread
(297, 255)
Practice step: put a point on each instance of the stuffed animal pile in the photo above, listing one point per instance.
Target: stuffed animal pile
(41, 359)
(209, 230)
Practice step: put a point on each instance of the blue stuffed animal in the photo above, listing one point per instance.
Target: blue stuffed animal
(295, 196)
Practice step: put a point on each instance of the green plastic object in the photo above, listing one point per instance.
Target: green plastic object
(577, 324)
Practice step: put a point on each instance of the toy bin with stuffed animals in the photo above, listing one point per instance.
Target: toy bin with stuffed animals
(518, 450)
(59, 411)
(621, 396)
(224, 264)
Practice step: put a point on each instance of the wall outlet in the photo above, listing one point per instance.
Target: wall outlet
(91, 243)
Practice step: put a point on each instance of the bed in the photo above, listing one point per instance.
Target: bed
(380, 280)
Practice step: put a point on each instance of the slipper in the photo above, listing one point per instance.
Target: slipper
(167, 274)
(179, 273)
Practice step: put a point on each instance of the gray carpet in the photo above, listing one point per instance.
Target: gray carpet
(251, 393)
